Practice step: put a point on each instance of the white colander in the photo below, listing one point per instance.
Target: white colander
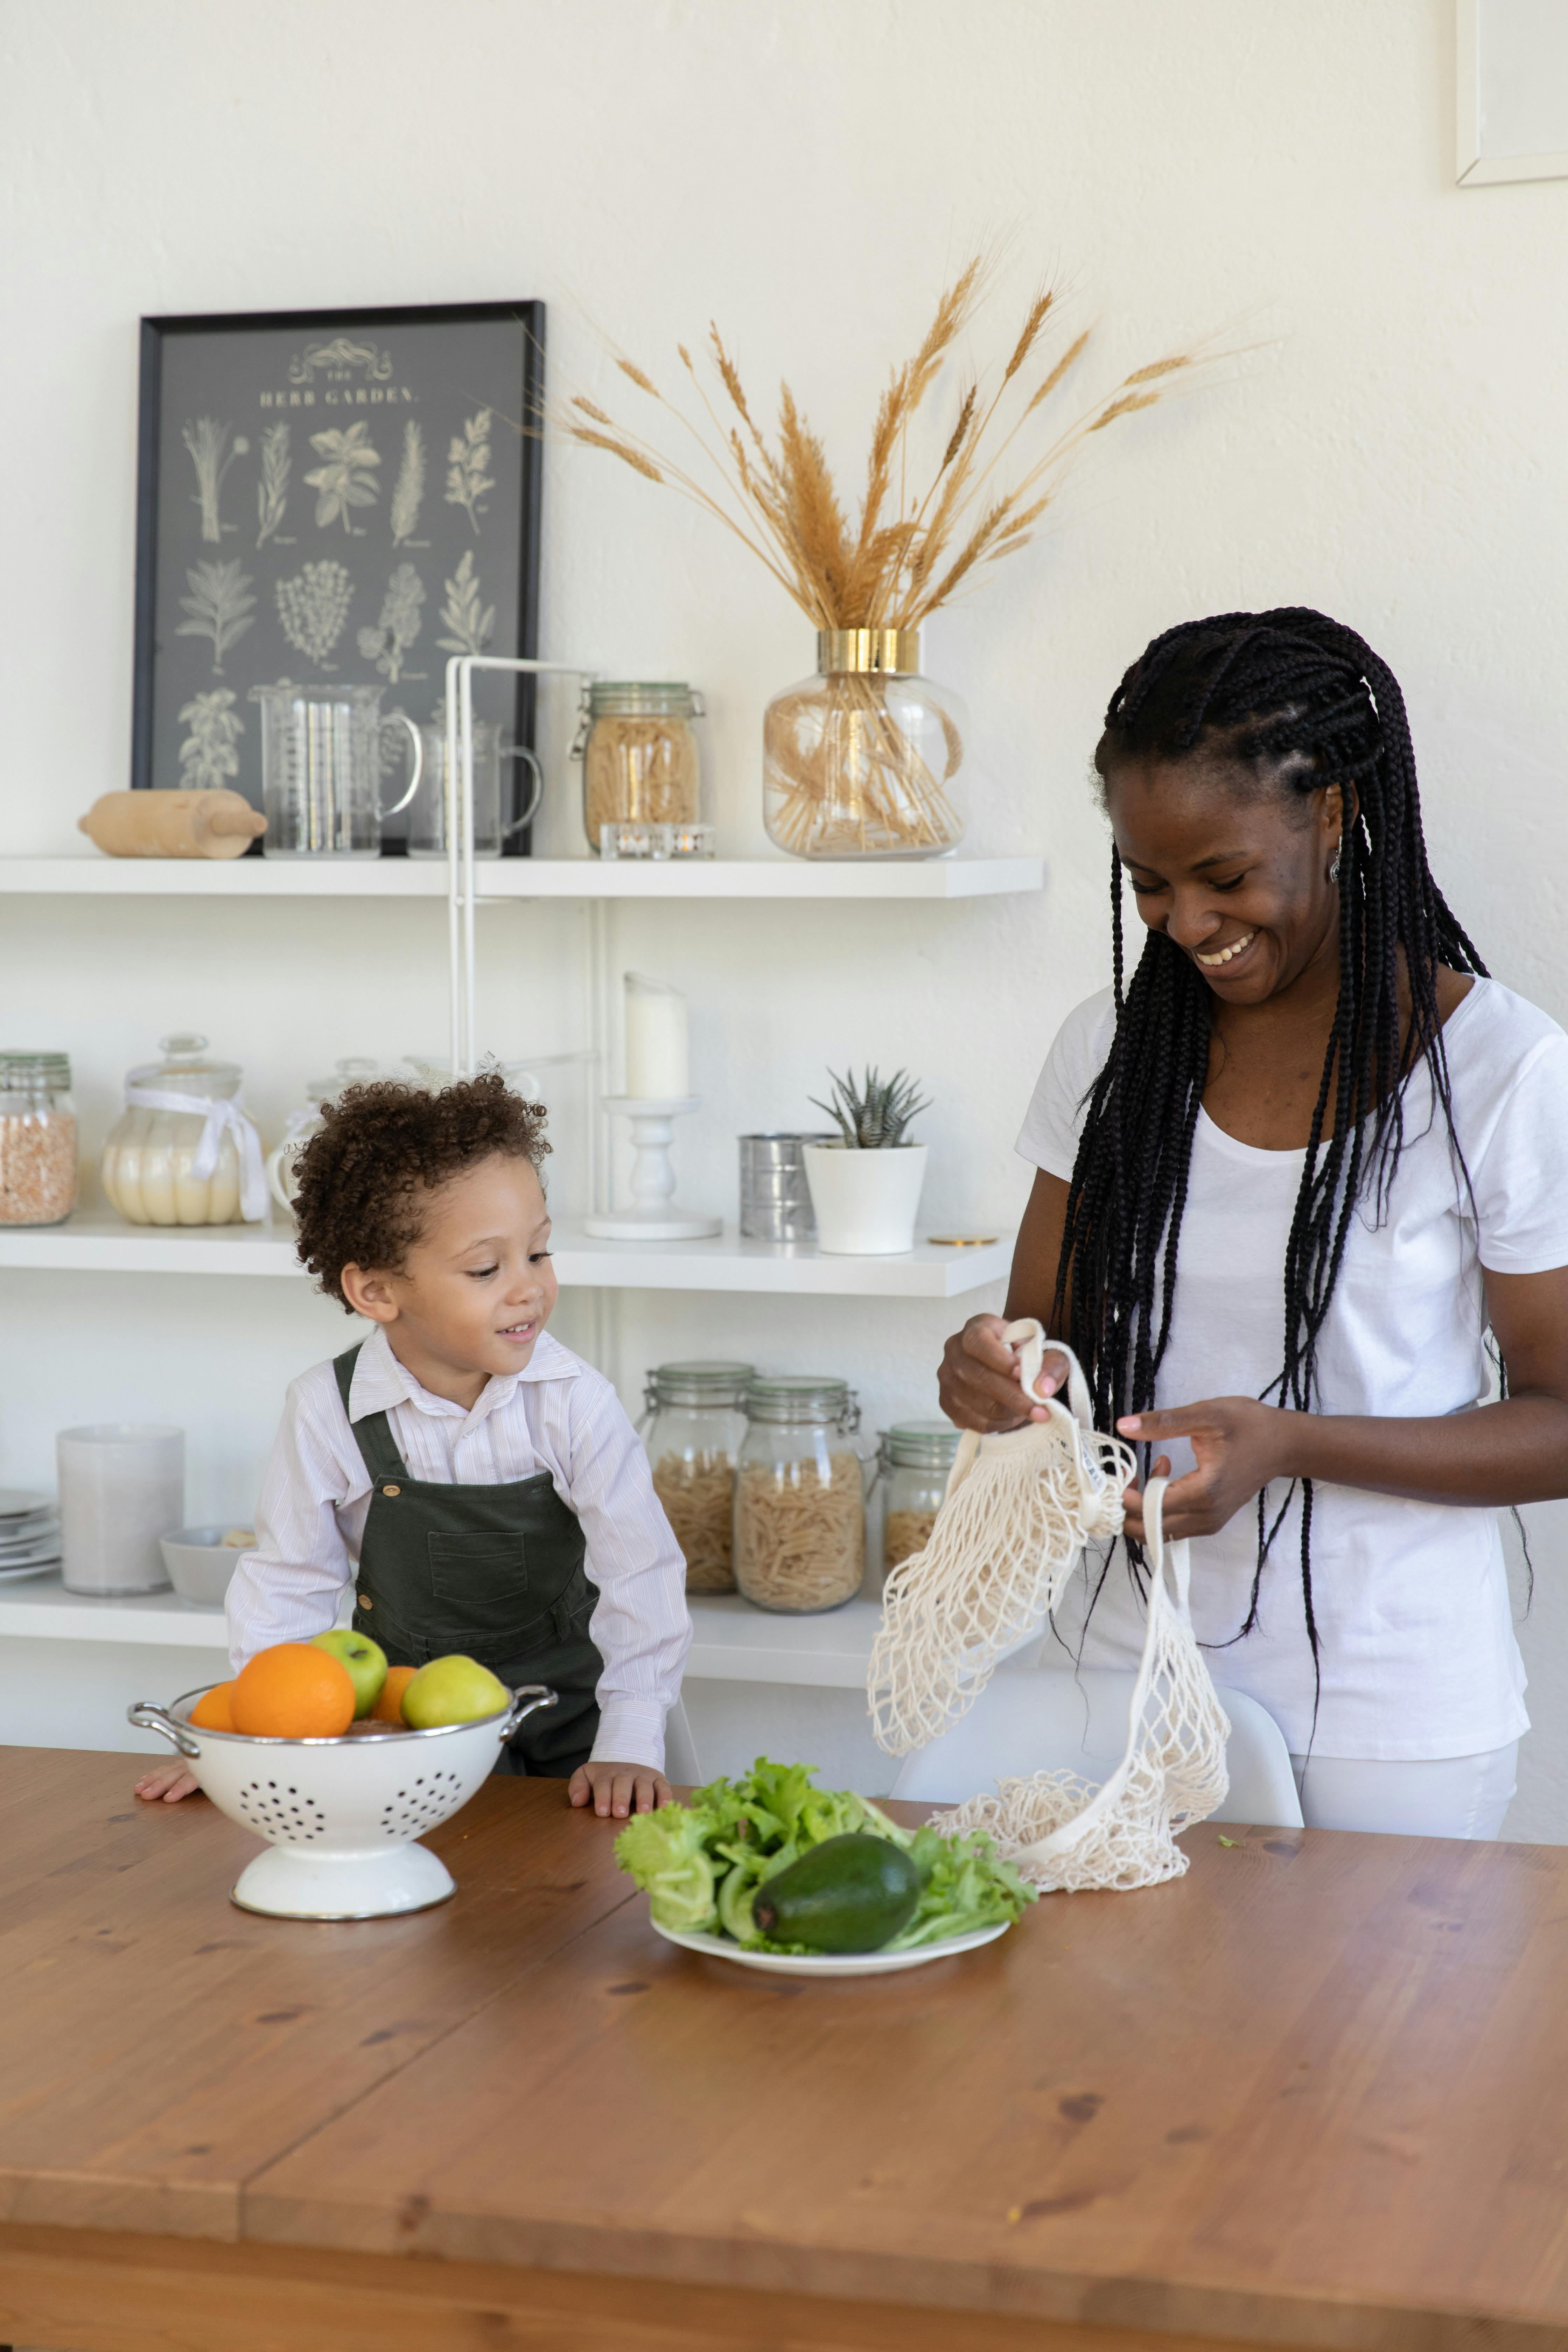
(341, 1816)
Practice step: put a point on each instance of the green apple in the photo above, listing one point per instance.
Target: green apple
(365, 1661)
(452, 1690)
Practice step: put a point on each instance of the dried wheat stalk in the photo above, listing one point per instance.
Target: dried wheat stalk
(910, 548)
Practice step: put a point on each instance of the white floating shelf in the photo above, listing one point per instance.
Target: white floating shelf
(507, 878)
(732, 1641)
(106, 1245)
(42, 1608)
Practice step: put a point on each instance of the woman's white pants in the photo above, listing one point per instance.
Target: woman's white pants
(1447, 1796)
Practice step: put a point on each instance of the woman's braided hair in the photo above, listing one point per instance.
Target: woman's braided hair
(1300, 702)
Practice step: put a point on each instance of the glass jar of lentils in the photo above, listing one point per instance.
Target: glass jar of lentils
(800, 1498)
(38, 1139)
(693, 1428)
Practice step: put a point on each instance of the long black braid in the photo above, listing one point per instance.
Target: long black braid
(1301, 702)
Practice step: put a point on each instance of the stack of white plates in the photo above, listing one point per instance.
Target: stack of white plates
(29, 1534)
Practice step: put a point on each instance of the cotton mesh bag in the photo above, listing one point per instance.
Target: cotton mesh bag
(1018, 1510)
(1064, 1834)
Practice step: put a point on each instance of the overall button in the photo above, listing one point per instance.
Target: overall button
(391, 1490)
(364, 1601)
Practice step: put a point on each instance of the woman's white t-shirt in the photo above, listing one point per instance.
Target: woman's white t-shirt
(1415, 1636)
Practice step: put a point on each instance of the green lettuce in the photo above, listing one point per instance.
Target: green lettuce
(666, 1853)
(702, 1863)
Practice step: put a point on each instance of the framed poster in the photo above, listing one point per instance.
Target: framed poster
(344, 497)
(1512, 89)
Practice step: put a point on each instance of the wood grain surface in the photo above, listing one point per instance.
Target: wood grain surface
(159, 2046)
(1315, 2092)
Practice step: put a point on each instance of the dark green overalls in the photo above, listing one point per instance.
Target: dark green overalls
(496, 1572)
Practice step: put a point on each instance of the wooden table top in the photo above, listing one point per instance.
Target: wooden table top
(1315, 2091)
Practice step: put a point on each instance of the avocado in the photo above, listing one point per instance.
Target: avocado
(850, 1894)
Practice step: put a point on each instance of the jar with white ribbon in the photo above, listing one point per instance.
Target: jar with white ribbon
(184, 1151)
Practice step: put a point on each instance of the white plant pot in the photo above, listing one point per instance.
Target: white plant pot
(865, 1202)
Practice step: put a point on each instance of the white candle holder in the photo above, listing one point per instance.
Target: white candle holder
(654, 1216)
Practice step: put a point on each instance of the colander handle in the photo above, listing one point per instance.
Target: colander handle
(525, 1701)
(148, 1718)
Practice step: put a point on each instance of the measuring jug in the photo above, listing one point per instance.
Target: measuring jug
(320, 766)
(427, 818)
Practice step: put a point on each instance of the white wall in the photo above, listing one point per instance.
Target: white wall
(806, 172)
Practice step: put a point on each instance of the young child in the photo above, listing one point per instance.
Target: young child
(479, 1485)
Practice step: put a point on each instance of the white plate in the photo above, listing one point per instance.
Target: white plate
(19, 1555)
(830, 1964)
(38, 1567)
(21, 1502)
(21, 1535)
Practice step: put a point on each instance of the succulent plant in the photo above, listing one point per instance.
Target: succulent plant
(873, 1115)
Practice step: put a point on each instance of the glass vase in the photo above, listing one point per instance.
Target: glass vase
(861, 760)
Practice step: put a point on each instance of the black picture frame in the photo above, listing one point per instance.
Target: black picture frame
(328, 373)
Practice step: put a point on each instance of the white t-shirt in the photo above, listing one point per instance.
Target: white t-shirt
(1417, 1644)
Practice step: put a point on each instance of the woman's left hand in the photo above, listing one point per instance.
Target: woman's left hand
(1239, 1445)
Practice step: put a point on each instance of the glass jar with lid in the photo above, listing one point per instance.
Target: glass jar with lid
(183, 1152)
(38, 1139)
(351, 1071)
(914, 1461)
(643, 772)
(800, 1497)
(694, 1426)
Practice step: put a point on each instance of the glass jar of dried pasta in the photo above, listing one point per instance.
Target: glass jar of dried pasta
(694, 1427)
(38, 1139)
(800, 1497)
(643, 771)
(914, 1460)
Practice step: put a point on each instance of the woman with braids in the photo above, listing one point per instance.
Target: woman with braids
(1291, 1174)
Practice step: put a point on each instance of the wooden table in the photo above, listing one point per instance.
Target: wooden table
(1316, 2093)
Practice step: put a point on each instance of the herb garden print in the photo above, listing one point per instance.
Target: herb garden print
(343, 497)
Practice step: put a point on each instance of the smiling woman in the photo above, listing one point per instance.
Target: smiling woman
(1296, 1169)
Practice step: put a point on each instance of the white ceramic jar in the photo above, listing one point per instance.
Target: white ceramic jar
(123, 1485)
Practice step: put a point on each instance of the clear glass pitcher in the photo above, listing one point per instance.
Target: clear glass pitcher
(427, 817)
(321, 769)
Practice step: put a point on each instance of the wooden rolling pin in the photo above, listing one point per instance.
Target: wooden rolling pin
(172, 824)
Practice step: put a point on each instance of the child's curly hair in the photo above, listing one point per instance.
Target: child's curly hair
(363, 1182)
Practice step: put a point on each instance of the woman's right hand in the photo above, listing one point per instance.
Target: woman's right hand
(978, 1384)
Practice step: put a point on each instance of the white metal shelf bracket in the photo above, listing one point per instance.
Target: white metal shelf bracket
(461, 897)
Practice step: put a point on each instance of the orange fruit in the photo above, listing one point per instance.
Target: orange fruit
(388, 1708)
(212, 1711)
(293, 1691)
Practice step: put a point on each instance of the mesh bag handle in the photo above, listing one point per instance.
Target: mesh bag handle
(1027, 1335)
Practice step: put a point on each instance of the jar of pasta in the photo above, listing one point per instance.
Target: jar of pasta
(800, 1497)
(38, 1139)
(643, 770)
(694, 1426)
(914, 1460)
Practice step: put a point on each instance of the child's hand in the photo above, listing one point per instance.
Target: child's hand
(170, 1781)
(619, 1789)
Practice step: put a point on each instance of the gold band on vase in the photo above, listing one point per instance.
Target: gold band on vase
(884, 650)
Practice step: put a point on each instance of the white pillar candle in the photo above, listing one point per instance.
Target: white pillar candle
(658, 1066)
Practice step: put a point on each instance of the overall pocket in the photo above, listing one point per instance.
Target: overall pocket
(479, 1589)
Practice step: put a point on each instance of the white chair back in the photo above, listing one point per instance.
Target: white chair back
(1049, 1720)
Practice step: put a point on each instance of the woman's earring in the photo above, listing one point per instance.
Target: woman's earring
(1334, 869)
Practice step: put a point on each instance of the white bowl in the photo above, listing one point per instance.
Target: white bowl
(340, 1816)
(200, 1564)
